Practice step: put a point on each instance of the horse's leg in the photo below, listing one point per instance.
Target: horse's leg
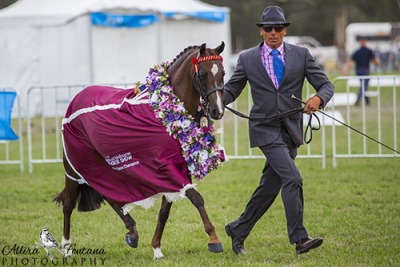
(162, 219)
(68, 198)
(132, 237)
(214, 245)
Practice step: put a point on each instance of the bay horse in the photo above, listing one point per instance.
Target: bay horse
(117, 149)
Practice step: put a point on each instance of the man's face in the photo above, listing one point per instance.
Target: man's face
(273, 35)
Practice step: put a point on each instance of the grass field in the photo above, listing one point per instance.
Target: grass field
(354, 207)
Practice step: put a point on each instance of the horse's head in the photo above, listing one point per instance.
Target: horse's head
(209, 72)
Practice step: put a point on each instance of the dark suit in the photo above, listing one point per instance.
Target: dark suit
(278, 139)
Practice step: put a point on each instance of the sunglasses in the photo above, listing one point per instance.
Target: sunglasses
(277, 28)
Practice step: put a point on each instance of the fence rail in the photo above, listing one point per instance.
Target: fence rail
(46, 106)
(377, 120)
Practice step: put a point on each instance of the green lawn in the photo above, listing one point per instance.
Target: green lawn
(354, 207)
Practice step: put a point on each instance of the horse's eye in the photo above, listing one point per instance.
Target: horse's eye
(203, 75)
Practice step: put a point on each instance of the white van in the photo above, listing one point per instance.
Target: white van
(325, 56)
(382, 37)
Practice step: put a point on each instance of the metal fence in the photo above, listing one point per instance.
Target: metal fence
(46, 106)
(11, 152)
(379, 119)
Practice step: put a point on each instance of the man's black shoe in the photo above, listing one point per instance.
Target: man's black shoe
(308, 243)
(237, 245)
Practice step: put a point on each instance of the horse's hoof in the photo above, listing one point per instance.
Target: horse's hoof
(215, 247)
(131, 241)
(157, 254)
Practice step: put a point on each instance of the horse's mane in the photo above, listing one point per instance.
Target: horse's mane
(185, 51)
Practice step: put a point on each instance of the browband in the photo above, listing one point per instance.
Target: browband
(196, 61)
(207, 58)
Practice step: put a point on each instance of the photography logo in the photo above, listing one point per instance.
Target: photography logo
(16, 254)
(49, 242)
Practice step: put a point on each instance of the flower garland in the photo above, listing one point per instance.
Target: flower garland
(199, 149)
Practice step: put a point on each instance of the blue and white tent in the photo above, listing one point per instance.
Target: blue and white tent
(101, 41)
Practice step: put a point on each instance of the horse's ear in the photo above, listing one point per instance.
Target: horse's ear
(202, 49)
(220, 48)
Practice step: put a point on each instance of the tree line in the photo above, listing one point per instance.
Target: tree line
(325, 20)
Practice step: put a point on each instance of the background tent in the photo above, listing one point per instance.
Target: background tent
(46, 42)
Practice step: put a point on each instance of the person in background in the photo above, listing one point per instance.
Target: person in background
(362, 58)
(275, 71)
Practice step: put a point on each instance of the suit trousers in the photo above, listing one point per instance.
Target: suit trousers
(280, 172)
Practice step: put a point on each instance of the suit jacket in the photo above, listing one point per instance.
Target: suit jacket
(267, 101)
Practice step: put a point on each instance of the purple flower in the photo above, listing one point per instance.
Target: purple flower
(169, 117)
(209, 137)
(198, 146)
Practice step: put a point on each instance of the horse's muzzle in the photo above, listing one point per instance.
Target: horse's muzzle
(216, 113)
(216, 105)
(216, 110)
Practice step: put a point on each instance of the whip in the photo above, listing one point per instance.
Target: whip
(348, 126)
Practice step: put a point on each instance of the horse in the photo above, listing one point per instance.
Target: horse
(161, 167)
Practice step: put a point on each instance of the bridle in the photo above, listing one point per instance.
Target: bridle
(205, 95)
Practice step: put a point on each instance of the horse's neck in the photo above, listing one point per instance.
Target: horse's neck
(182, 76)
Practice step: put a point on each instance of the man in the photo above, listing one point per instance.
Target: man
(278, 139)
(362, 58)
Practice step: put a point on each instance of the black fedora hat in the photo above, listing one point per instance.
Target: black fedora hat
(273, 15)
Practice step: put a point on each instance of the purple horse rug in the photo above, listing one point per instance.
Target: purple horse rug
(116, 145)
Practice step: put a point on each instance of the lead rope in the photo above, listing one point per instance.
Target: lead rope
(267, 119)
(309, 127)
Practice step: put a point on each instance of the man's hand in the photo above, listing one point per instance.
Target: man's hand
(312, 104)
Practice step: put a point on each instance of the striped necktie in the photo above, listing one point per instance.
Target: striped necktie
(279, 67)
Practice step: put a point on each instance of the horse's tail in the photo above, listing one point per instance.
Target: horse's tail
(87, 198)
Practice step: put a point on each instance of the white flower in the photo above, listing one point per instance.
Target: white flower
(180, 108)
(185, 124)
(191, 167)
(154, 98)
(185, 146)
(195, 154)
(177, 123)
(203, 155)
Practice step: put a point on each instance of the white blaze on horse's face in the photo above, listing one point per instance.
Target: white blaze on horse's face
(214, 71)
